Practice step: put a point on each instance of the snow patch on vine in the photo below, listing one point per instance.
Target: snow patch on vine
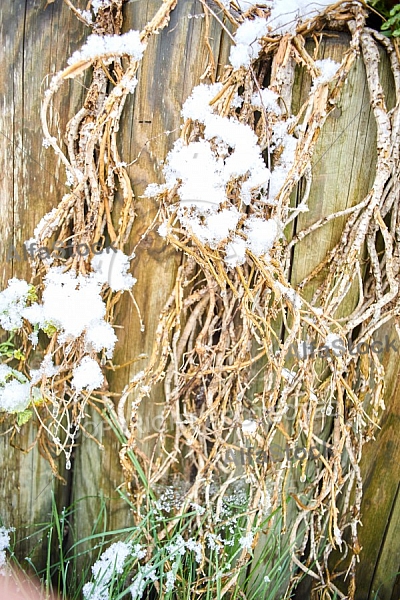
(96, 46)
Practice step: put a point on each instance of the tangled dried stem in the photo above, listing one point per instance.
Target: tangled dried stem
(205, 351)
(223, 330)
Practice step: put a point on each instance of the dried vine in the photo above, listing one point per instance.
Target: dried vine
(208, 374)
(224, 328)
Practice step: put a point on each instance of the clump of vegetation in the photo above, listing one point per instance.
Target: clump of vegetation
(392, 25)
(175, 549)
(391, 15)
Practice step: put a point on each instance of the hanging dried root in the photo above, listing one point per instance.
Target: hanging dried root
(78, 285)
(233, 316)
(249, 366)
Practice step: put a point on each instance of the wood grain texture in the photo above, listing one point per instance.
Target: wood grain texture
(343, 170)
(337, 183)
(34, 42)
(379, 537)
(342, 166)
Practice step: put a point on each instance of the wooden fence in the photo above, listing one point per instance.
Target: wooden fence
(35, 40)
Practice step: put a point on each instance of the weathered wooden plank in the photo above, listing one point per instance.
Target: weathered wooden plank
(345, 168)
(380, 552)
(380, 543)
(342, 172)
(335, 186)
(379, 536)
(33, 44)
(343, 164)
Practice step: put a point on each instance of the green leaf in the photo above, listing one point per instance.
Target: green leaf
(32, 295)
(24, 416)
(18, 355)
(50, 329)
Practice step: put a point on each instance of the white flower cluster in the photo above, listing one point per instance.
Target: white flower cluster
(249, 427)
(145, 574)
(179, 546)
(176, 549)
(246, 542)
(113, 561)
(169, 498)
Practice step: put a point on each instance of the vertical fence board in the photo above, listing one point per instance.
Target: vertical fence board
(34, 43)
(342, 166)
(379, 536)
(337, 183)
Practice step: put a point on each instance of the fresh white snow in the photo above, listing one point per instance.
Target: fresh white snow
(109, 45)
(87, 375)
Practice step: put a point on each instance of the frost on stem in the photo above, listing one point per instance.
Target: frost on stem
(87, 375)
(72, 303)
(110, 564)
(283, 18)
(13, 304)
(228, 153)
(71, 307)
(111, 267)
(100, 46)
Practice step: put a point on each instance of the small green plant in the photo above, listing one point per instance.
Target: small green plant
(392, 25)
(9, 350)
(390, 577)
(50, 329)
(391, 16)
(381, 6)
